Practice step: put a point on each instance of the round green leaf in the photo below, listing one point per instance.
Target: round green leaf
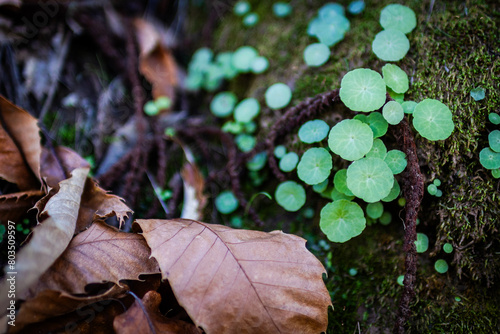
(386, 218)
(489, 159)
(441, 266)
(257, 162)
(401, 279)
(398, 17)
(370, 179)
(356, 7)
(243, 58)
(232, 127)
(313, 131)
(330, 32)
(422, 243)
(278, 96)
(320, 187)
(315, 165)
(342, 220)
(260, 65)
(290, 195)
(375, 210)
(377, 123)
(335, 195)
(437, 182)
(226, 202)
(245, 142)
(432, 189)
(433, 120)
(246, 110)
(378, 150)
(496, 173)
(363, 89)
(494, 140)
(163, 102)
(395, 78)
(351, 139)
(279, 151)
(396, 160)
(331, 9)
(282, 9)
(448, 248)
(394, 192)
(251, 19)
(223, 103)
(150, 108)
(477, 93)
(241, 8)
(289, 161)
(494, 118)
(316, 54)
(340, 182)
(393, 112)
(409, 106)
(390, 45)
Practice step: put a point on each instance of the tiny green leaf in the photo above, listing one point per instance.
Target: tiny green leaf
(377, 123)
(393, 112)
(243, 58)
(342, 220)
(395, 78)
(378, 150)
(282, 9)
(433, 120)
(489, 159)
(315, 165)
(395, 16)
(316, 54)
(290, 195)
(226, 202)
(370, 179)
(494, 118)
(313, 131)
(245, 142)
(257, 162)
(394, 192)
(251, 19)
(448, 248)
(223, 103)
(409, 106)
(422, 243)
(278, 96)
(151, 109)
(340, 182)
(246, 110)
(441, 266)
(375, 210)
(494, 140)
(356, 7)
(477, 93)
(289, 161)
(241, 8)
(396, 160)
(362, 90)
(279, 151)
(351, 139)
(432, 189)
(386, 218)
(390, 45)
(259, 65)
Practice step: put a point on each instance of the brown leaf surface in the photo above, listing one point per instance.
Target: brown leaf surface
(240, 281)
(156, 62)
(48, 239)
(99, 254)
(135, 320)
(51, 304)
(19, 146)
(194, 199)
(55, 163)
(14, 206)
(97, 204)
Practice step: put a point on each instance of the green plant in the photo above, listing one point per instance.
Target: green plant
(282, 9)
(278, 96)
(441, 266)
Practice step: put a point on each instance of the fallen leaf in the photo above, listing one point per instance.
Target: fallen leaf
(14, 206)
(240, 281)
(51, 304)
(48, 239)
(19, 146)
(150, 320)
(156, 62)
(97, 255)
(194, 199)
(97, 204)
(55, 164)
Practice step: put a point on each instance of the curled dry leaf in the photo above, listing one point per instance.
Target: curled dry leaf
(14, 206)
(56, 164)
(156, 62)
(19, 146)
(240, 281)
(150, 320)
(99, 254)
(49, 239)
(194, 199)
(51, 304)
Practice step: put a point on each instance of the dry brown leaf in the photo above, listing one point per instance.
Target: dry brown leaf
(136, 321)
(55, 164)
(194, 199)
(156, 62)
(14, 206)
(240, 281)
(19, 146)
(50, 304)
(97, 204)
(99, 254)
(48, 239)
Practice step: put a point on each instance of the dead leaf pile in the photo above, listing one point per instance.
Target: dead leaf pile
(77, 273)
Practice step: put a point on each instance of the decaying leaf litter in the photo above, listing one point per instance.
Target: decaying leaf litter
(135, 160)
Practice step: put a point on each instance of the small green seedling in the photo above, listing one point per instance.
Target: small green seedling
(400, 279)
(494, 118)
(370, 179)
(290, 195)
(289, 161)
(378, 150)
(494, 140)
(393, 112)
(363, 89)
(243, 58)
(396, 160)
(409, 106)
(321, 187)
(251, 19)
(150, 108)
(257, 162)
(448, 248)
(377, 123)
(233, 127)
(375, 210)
(351, 139)
(422, 243)
(356, 7)
(395, 78)
(399, 17)
(316, 54)
(236, 221)
(432, 189)
(496, 173)
(353, 271)
(226, 202)
(340, 182)
(489, 158)
(313, 131)
(394, 193)
(241, 8)
(331, 9)
(386, 218)
(278, 96)
(280, 151)
(390, 45)
(342, 220)
(478, 93)
(282, 9)
(315, 165)
(245, 142)
(433, 120)
(223, 103)
(259, 65)
(246, 110)
(441, 266)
